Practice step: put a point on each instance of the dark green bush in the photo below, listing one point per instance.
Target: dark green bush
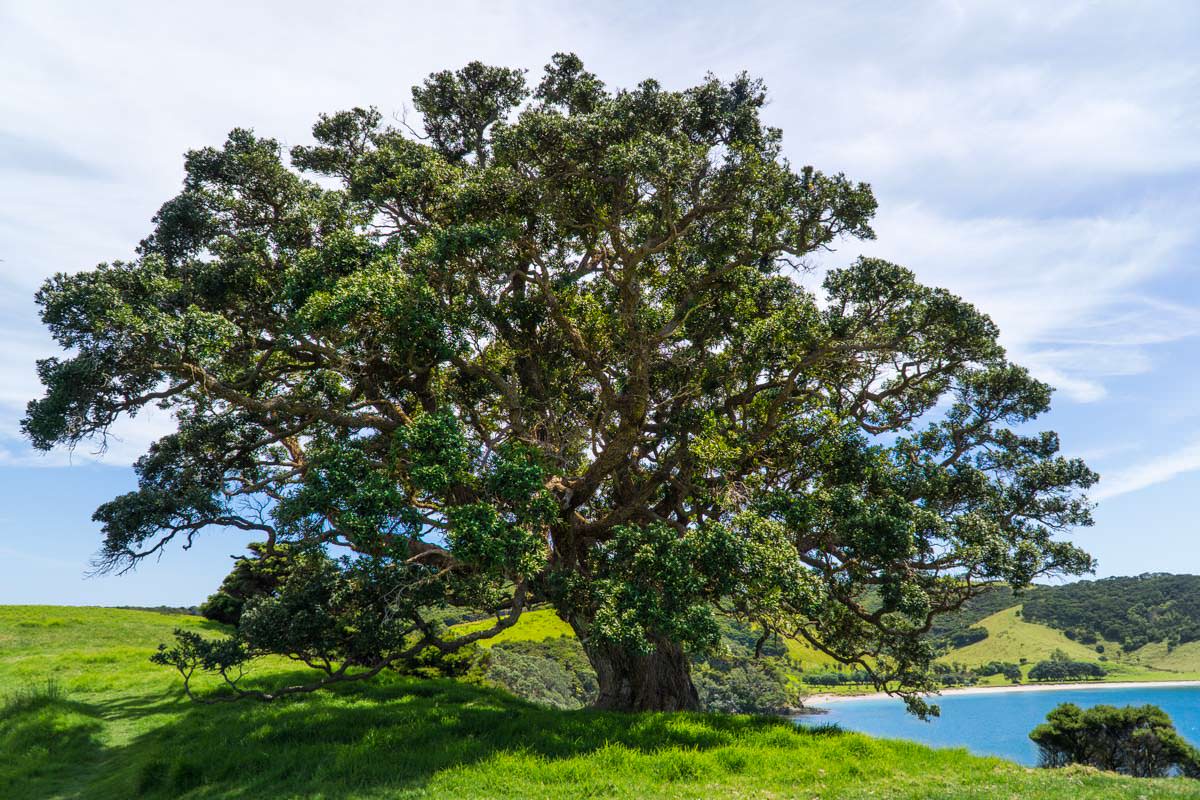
(554, 672)
(1064, 669)
(1134, 740)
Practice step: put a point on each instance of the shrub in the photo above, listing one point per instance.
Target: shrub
(553, 672)
(1065, 670)
(1005, 668)
(744, 686)
(1134, 740)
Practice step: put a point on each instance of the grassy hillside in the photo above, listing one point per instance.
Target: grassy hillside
(110, 725)
(1011, 638)
(533, 626)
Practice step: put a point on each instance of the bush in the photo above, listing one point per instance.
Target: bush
(1060, 667)
(1005, 668)
(744, 686)
(1065, 670)
(1134, 740)
(553, 672)
(252, 576)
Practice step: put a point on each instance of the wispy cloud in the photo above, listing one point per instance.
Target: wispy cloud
(1033, 159)
(1149, 473)
(1069, 294)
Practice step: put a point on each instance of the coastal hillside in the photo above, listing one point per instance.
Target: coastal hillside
(1144, 627)
(85, 715)
(1130, 611)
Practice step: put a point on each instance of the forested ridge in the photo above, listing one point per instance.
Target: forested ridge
(1133, 611)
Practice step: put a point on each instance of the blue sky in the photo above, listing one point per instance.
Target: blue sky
(1042, 163)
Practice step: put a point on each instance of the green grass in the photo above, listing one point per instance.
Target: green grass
(1011, 638)
(533, 626)
(84, 715)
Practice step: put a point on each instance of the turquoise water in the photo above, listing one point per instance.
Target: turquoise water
(999, 724)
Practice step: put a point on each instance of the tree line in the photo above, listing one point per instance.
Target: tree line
(1131, 611)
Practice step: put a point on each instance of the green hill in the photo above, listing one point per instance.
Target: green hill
(1138, 628)
(1132, 611)
(85, 715)
(1013, 638)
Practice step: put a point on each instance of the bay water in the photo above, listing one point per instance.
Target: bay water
(998, 724)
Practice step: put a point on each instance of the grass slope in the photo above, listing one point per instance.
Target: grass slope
(533, 626)
(1011, 638)
(1169, 664)
(113, 726)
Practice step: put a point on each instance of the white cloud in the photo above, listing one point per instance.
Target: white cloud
(1019, 150)
(1066, 293)
(1149, 473)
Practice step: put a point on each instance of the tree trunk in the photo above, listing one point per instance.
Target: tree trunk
(660, 681)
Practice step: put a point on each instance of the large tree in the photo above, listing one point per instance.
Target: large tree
(550, 347)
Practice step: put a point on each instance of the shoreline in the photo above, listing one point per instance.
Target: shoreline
(812, 700)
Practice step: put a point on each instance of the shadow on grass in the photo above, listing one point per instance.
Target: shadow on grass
(390, 736)
(47, 743)
(137, 706)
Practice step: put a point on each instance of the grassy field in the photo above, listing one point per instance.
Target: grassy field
(535, 625)
(85, 716)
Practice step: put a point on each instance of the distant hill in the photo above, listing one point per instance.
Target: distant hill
(961, 628)
(1132, 612)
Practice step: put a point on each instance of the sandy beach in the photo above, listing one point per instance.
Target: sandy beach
(817, 700)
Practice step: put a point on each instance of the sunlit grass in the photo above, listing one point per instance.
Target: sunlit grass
(87, 716)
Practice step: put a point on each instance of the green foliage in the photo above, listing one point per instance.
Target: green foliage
(550, 349)
(1133, 740)
(1132, 611)
(119, 730)
(1060, 667)
(745, 686)
(255, 576)
(1008, 669)
(552, 672)
(343, 617)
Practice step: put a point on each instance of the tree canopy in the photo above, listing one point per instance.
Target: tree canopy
(555, 346)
